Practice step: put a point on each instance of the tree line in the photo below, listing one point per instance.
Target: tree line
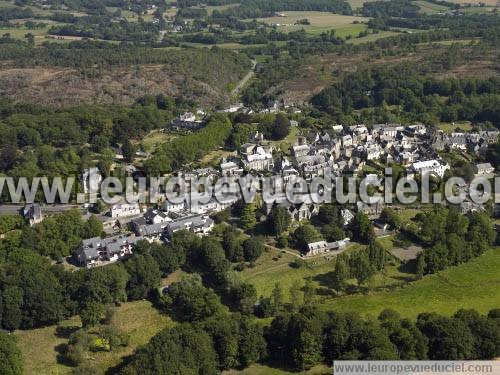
(452, 238)
(301, 340)
(261, 8)
(183, 151)
(88, 54)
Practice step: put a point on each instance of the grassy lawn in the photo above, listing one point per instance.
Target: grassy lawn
(472, 285)
(286, 144)
(450, 128)
(21, 31)
(450, 42)
(154, 139)
(407, 214)
(6, 4)
(210, 9)
(39, 346)
(262, 58)
(274, 267)
(343, 31)
(478, 10)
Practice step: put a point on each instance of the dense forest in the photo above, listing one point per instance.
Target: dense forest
(182, 151)
(105, 28)
(264, 8)
(86, 54)
(417, 96)
(36, 138)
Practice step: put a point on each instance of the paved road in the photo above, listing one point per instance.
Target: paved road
(245, 79)
(11, 209)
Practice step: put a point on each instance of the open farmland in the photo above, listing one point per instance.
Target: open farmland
(19, 32)
(319, 22)
(431, 8)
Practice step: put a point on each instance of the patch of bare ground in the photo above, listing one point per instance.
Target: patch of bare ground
(478, 69)
(67, 87)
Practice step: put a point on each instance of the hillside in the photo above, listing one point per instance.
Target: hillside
(96, 76)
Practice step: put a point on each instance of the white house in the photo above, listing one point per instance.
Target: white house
(230, 168)
(347, 140)
(97, 250)
(125, 209)
(373, 152)
(257, 158)
(199, 224)
(429, 166)
(322, 247)
(33, 213)
(188, 116)
(484, 170)
(234, 108)
(156, 217)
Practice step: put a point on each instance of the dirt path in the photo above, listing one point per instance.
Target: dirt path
(245, 79)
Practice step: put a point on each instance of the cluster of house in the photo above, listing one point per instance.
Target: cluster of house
(473, 142)
(97, 250)
(273, 106)
(343, 150)
(153, 225)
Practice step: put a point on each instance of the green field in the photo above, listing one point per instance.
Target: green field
(39, 346)
(431, 8)
(6, 4)
(320, 22)
(19, 33)
(450, 128)
(473, 285)
(210, 9)
(478, 10)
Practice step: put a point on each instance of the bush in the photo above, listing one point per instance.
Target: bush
(282, 241)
